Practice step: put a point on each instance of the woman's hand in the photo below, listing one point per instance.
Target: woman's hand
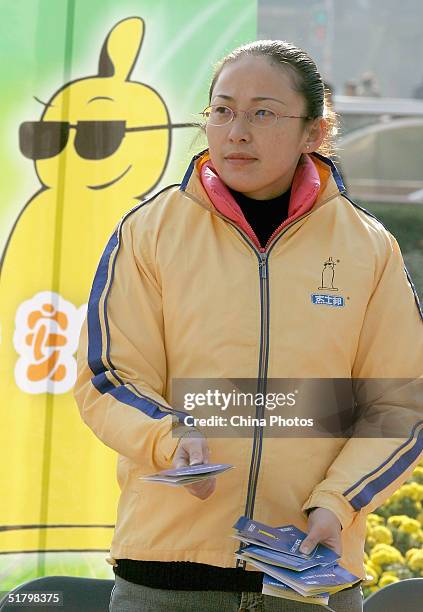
(323, 528)
(193, 450)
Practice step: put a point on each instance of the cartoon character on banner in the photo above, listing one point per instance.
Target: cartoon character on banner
(101, 144)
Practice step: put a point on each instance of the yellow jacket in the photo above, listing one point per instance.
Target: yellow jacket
(183, 291)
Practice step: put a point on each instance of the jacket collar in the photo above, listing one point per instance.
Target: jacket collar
(316, 180)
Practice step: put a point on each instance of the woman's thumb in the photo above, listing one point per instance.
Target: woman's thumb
(308, 544)
(195, 451)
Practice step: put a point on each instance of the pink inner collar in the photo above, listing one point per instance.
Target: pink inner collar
(304, 189)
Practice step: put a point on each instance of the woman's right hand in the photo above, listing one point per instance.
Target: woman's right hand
(193, 450)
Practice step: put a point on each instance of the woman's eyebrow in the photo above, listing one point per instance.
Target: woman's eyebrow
(255, 99)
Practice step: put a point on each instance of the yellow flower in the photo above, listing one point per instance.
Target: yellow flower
(382, 554)
(366, 557)
(415, 561)
(387, 579)
(371, 575)
(420, 518)
(413, 490)
(374, 567)
(411, 552)
(410, 526)
(382, 534)
(375, 519)
(418, 472)
(381, 547)
(397, 520)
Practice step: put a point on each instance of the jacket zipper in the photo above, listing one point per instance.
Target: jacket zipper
(262, 377)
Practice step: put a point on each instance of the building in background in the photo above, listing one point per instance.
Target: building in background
(348, 39)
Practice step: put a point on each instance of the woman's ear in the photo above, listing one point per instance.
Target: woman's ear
(315, 134)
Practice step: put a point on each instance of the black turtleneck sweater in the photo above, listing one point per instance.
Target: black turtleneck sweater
(264, 216)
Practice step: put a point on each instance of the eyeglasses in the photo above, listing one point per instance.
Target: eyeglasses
(94, 139)
(258, 117)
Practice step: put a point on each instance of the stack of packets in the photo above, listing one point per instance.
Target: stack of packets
(188, 475)
(289, 573)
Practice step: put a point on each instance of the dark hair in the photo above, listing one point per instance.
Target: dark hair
(306, 80)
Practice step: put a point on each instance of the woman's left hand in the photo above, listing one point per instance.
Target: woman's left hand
(193, 450)
(323, 528)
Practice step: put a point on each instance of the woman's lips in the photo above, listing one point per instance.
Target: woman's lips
(240, 161)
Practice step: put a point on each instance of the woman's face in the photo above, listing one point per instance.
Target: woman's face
(253, 82)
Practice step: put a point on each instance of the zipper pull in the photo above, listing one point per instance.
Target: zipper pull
(263, 271)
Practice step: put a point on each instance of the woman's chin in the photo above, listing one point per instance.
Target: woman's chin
(237, 184)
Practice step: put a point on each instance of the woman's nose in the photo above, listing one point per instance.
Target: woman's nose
(239, 129)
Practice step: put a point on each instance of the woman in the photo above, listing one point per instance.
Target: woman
(221, 278)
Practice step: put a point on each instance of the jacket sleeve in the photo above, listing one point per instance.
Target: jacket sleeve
(121, 358)
(387, 374)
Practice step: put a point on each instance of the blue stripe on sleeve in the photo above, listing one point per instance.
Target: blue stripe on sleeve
(93, 320)
(124, 395)
(391, 456)
(381, 482)
(95, 345)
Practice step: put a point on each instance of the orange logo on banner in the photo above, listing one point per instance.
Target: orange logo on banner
(46, 364)
(46, 337)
